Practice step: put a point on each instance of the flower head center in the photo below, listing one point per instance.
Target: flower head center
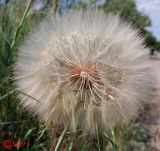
(83, 76)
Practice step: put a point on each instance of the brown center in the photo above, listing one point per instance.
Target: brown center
(83, 76)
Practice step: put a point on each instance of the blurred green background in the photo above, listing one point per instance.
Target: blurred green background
(17, 18)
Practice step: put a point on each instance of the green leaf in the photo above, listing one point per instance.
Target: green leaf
(114, 146)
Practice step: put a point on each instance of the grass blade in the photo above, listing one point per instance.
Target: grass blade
(114, 146)
(61, 138)
(21, 23)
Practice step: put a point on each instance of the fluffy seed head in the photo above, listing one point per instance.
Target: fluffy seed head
(85, 68)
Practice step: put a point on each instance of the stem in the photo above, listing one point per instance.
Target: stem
(61, 138)
(70, 145)
(55, 6)
(21, 24)
(114, 146)
(113, 135)
(97, 133)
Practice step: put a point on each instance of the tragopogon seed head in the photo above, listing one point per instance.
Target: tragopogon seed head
(84, 68)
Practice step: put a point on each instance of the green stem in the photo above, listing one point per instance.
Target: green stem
(21, 23)
(61, 138)
(97, 133)
(113, 135)
(114, 146)
(70, 145)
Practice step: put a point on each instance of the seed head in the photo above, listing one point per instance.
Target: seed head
(85, 68)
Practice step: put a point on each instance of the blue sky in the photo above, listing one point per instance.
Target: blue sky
(152, 9)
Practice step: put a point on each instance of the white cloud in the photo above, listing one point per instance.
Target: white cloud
(152, 9)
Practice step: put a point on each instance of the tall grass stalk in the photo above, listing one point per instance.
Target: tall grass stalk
(114, 146)
(61, 138)
(21, 23)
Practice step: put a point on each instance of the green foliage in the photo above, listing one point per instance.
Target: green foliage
(15, 125)
(127, 10)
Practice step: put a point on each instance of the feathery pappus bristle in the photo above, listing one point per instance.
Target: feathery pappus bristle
(85, 68)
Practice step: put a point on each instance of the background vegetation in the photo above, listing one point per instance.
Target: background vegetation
(18, 125)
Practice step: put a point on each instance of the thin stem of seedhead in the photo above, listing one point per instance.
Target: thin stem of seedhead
(21, 23)
(113, 131)
(61, 138)
(97, 133)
